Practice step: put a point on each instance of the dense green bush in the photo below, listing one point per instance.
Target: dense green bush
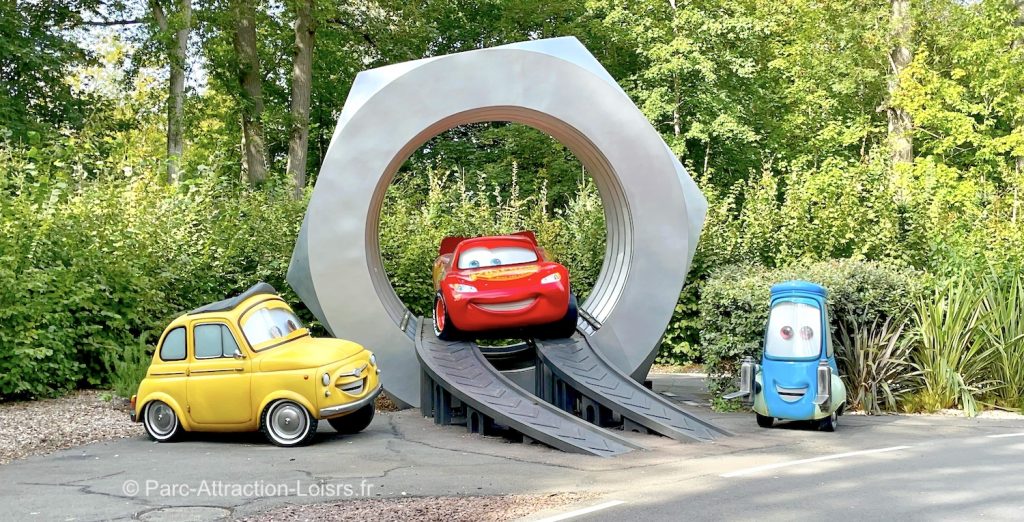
(877, 364)
(970, 348)
(90, 268)
(952, 353)
(93, 271)
(734, 305)
(1003, 327)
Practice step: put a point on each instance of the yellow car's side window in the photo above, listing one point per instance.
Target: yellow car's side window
(173, 348)
(214, 340)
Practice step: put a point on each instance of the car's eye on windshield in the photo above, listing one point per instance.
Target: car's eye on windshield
(266, 324)
(793, 331)
(477, 257)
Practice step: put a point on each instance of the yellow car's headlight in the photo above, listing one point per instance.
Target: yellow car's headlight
(326, 379)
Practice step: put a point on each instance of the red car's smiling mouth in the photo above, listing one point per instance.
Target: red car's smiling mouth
(512, 306)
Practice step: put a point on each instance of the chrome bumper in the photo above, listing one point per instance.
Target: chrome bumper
(352, 406)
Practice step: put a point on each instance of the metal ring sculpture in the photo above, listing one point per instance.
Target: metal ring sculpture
(653, 210)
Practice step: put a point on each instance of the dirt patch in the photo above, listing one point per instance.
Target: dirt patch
(44, 426)
(986, 414)
(384, 403)
(672, 368)
(456, 509)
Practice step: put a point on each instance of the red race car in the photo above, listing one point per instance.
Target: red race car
(500, 286)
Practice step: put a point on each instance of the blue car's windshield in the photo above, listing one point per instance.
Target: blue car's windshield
(794, 331)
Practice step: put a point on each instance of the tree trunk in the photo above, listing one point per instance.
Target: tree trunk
(1018, 43)
(677, 123)
(302, 84)
(176, 83)
(900, 56)
(252, 93)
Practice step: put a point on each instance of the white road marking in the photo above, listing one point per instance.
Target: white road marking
(1004, 435)
(584, 511)
(751, 471)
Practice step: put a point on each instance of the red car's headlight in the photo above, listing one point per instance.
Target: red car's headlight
(465, 289)
(551, 278)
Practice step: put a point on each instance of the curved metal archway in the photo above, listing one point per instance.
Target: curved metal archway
(654, 211)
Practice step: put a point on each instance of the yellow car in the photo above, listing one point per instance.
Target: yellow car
(246, 364)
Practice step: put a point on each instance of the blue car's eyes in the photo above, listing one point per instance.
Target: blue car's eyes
(806, 333)
(786, 332)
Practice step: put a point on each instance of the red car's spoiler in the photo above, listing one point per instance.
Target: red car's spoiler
(449, 243)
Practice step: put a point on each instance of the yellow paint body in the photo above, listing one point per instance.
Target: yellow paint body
(229, 394)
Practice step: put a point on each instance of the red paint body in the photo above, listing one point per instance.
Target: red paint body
(507, 296)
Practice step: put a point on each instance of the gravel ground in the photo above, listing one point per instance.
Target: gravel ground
(454, 509)
(44, 426)
(987, 414)
(384, 403)
(695, 369)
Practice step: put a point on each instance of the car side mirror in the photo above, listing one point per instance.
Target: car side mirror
(239, 355)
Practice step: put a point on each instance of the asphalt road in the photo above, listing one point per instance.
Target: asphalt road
(890, 467)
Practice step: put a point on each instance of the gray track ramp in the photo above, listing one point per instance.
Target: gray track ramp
(461, 369)
(574, 361)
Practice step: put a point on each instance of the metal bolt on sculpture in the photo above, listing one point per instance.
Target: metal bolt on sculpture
(653, 210)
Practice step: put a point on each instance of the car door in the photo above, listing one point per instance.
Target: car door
(219, 381)
(172, 369)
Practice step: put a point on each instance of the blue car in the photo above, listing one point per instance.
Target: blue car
(797, 378)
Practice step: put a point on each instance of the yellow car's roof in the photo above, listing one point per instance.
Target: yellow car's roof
(232, 302)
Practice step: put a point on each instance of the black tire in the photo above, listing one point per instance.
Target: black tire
(829, 423)
(447, 331)
(353, 422)
(564, 327)
(276, 424)
(764, 421)
(160, 421)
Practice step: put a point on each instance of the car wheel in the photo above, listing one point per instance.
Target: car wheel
(443, 327)
(353, 422)
(161, 422)
(564, 327)
(287, 423)
(765, 421)
(829, 423)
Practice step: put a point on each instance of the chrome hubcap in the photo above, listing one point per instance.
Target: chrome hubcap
(161, 418)
(288, 421)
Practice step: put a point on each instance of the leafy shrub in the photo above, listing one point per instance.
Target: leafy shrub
(734, 306)
(953, 354)
(1003, 326)
(129, 370)
(876, 363)
(89, 268)
(837, 210)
